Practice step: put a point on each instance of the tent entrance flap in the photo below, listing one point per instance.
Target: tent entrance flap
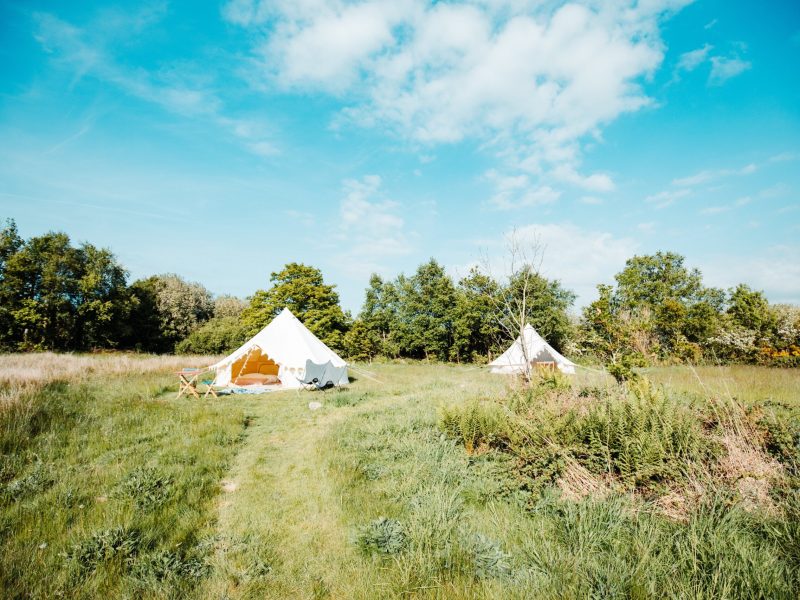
(254, 362)
(324, 375)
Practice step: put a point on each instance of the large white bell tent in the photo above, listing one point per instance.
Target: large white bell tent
(285, 352)
(533, 347)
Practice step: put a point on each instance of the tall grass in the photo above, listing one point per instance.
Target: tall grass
(436, 481)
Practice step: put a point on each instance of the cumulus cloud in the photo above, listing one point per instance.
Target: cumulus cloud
(528, 79)
(517, 191)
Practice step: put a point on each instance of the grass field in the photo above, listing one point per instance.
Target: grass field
(421, 485)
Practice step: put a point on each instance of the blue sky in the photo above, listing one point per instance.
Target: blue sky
(222, 140)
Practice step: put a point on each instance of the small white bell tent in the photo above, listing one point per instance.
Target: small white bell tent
(284, 352)
(538, 352)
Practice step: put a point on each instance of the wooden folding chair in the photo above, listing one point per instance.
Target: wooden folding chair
(187, 380)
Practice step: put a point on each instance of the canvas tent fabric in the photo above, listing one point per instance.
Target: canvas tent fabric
(536, 348)
(284, 348)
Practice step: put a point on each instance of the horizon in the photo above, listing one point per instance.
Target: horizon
(222, 142)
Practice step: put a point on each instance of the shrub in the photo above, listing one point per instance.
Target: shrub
(641, 438)
(382, 536)
(478, 423)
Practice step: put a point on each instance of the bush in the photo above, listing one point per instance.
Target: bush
(478, 423)
(642, 438)
(219, 335)
(489, 558)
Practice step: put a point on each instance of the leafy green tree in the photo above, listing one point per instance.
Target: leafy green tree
(301, 289)
(749, 309)
(380, 314)
(229, 306)
(361, 342)
(10, 243)
(168, 309)
(219, 335)
(544, 302)
(666, 304)
(58, 297)
(426, 312)
(476, 331)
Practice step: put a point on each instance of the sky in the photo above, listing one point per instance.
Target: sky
(222, 140)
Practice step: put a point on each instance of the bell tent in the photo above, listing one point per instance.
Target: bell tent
(284, 352)
(535, 348)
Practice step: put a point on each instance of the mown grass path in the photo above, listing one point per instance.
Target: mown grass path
(281, 531)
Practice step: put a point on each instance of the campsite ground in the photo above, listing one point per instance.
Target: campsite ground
(111, 486)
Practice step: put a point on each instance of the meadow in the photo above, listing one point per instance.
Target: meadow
(419, 481)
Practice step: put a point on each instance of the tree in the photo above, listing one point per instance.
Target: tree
(475, 327)
(380, 314)
(361, 342)
(59, 297)
(168, 309)
(668, 309)
(426, 311)
(218, 335)
(301, 289)
(229, 306)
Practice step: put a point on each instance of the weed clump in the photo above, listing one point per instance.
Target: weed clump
(146, 486)
(116, 545)
(382, 536)
(38, 480)
(489, 559)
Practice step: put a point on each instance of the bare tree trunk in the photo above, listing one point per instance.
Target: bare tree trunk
(523, 264)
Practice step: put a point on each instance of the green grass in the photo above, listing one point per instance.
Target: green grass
(114, 488)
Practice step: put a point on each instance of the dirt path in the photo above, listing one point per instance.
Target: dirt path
(280, 532)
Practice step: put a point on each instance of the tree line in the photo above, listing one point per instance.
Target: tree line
(56, 296)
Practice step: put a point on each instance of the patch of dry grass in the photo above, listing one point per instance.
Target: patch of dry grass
(47, 367)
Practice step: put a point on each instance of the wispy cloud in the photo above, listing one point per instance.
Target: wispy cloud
(689, 61)
(708, 176)
(667, 197)
(372, 226)
(182, 89)
(724, 68)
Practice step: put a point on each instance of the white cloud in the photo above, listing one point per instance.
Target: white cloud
(667, 197)
(714, 210)
(591, 200)
(371, 226)
(784, 157)
(517, 191)
(580, 258)
(648, 227)
(180, 88)
(775, 270)
(713, 175)
(724, 68)
(689, 61)
(530, 80)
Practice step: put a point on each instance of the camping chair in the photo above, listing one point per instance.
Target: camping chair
(187, 382)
